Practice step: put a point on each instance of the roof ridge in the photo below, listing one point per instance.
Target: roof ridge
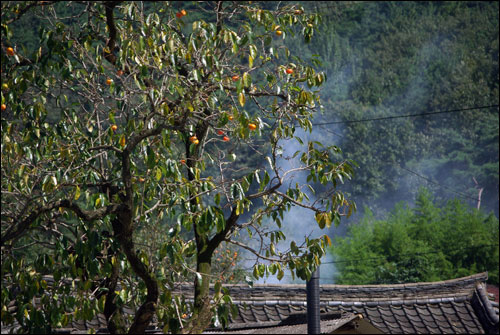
(449, 290)
(483, 276)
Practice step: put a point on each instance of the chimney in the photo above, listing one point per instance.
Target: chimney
(313, 317)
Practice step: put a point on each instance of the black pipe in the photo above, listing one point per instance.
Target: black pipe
(313, 317)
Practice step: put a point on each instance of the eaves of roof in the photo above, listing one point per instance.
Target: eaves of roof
(453, 306)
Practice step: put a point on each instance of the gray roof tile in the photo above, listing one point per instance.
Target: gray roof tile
(452, 306)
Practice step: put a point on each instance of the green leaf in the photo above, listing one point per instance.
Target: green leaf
(217, 287)
(253, 50)
(196, 75)
(151, 157)
(281, 273)
(256, 272)
(266, 178)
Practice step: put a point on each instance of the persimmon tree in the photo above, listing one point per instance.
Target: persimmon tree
(132, 116)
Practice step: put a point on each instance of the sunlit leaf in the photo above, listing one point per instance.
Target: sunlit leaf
(77, 192)
(241, 99)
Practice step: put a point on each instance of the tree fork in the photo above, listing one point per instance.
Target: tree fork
(123, 229)
(201, 308)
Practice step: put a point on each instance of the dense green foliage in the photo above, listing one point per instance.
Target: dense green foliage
(399, 58)
(428, 242)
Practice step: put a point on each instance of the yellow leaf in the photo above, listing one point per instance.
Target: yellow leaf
(328, 240)
(246, 79)
(241, 99)
(77, 192)
(323, 220)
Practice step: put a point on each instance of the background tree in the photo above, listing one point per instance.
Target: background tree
(429, 242)
(398, 58)
(126, 118)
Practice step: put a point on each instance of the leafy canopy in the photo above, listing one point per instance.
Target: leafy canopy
(126, 137)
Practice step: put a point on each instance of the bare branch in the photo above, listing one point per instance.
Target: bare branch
(246, 247)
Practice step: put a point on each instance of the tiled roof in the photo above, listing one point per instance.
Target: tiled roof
(294, 324)
(454, 306)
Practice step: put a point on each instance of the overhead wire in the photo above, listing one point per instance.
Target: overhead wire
(406, 116)
(415, 173)
(461, 194)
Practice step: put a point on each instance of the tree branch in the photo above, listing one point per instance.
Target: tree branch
(110, 22)
(17, 229)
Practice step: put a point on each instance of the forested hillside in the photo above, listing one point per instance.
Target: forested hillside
(386, 59)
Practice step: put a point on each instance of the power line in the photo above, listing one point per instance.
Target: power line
(404, 116)
(463, 195)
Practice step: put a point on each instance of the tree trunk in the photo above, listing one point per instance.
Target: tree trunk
(202, 315)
